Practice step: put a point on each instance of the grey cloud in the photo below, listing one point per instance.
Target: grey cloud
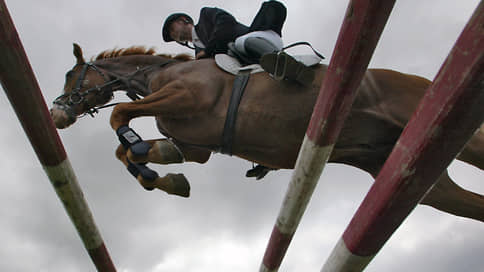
(227, 213)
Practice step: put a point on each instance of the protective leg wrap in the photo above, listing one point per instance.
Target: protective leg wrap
(137, 169)
(131, 140)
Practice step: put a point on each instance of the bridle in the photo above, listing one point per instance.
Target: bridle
(76, 97)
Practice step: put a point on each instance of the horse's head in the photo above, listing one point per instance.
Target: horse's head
(91, 84)
(86, 87)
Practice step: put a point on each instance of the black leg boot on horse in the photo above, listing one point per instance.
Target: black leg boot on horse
(279, 64)
(134, 147)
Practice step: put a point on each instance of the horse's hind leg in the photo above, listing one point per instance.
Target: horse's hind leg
(473, 152)
(449, 197)
(175, 184)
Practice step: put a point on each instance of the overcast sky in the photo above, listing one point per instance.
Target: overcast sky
(226, 223)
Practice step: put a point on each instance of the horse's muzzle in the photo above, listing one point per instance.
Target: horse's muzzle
(61, 117)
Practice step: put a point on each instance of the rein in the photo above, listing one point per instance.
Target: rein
(76, 97)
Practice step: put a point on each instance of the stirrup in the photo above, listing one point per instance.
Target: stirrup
(283, 66)
(280, 75)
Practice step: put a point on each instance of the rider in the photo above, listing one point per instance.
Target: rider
(259, 43)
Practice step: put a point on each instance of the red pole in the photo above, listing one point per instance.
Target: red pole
(22, 89)
(447, 117)
(359, 35)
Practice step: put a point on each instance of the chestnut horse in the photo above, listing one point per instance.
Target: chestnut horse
(189, 99)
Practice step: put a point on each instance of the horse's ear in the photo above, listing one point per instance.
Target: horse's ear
(78, 54)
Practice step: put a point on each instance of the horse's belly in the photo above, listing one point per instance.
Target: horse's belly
(195, 130)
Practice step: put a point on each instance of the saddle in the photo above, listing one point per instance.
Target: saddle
(242, 73)
(233, 66)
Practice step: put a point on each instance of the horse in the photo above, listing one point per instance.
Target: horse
(189, 99)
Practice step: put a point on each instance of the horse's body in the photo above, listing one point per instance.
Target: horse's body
(190, 100)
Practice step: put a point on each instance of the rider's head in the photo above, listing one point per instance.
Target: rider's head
(178, 27)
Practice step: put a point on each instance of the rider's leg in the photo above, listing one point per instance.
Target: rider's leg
(265, 47)
(255, 44)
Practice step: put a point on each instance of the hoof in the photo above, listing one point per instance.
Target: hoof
(178, 185)
(173, 184)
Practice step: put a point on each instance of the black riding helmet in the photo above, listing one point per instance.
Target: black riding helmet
(171, 19)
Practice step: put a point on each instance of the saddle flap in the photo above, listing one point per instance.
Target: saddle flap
(233, 66)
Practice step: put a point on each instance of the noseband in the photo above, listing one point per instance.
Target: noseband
(76, 97)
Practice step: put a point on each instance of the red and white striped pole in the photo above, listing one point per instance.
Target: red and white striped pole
(363, 24)
(22, 89)
(448, 115)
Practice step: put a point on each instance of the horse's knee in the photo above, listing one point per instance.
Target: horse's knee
(118, 116)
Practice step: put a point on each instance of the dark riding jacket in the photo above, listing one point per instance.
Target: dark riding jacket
(216, 27)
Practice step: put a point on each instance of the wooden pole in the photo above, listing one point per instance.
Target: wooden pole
(22, 89)
(363, 24)
(449, 114)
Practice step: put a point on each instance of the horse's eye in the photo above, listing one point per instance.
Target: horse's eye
(75, 98)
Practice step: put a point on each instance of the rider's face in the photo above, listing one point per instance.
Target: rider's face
(181, 31)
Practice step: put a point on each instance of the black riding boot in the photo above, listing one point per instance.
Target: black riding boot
(254, 49)
(257, 47)
(278, 63)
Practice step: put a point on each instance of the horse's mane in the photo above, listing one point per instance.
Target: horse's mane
(138, 50)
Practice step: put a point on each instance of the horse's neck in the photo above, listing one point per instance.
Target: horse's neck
(134, 72)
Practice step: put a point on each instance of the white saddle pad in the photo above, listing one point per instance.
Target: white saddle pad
(233, 66)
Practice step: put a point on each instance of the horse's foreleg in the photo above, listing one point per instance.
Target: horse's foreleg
(173, 100)
(473, 152)
(164, 151)
(175, 184)
(449, 197)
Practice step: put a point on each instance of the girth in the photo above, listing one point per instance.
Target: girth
(240, 82)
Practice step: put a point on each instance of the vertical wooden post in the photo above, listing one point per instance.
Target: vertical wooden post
(22, 89)
(363, 24)
(447, 117)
